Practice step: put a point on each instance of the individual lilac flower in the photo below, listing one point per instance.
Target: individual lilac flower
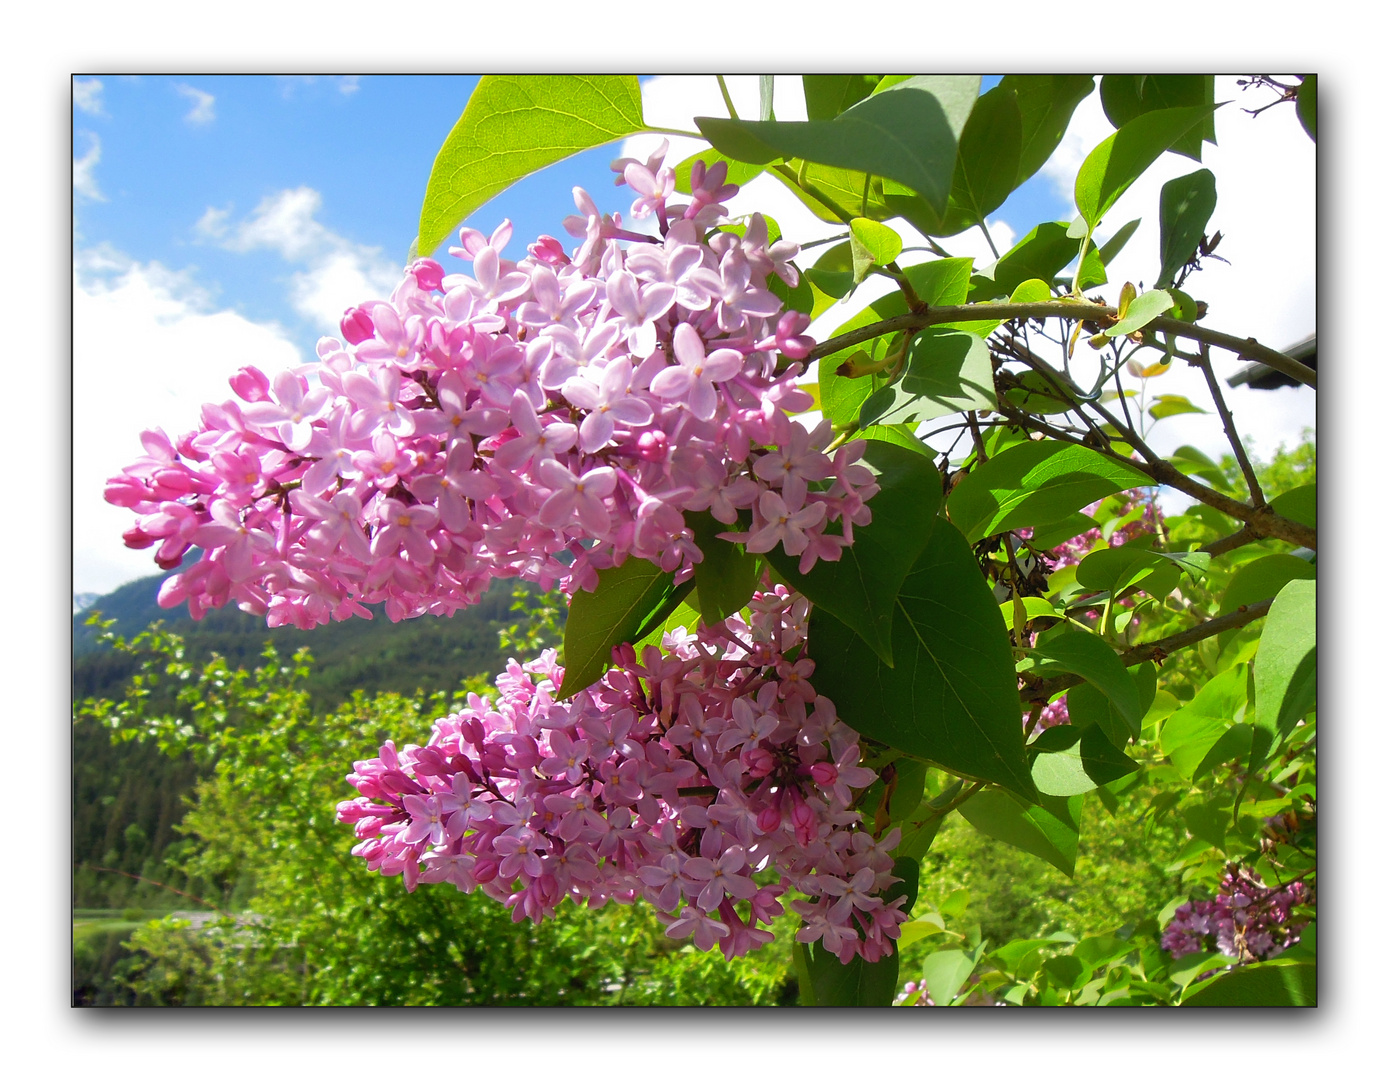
(796, 461)
(408, 527)
(377, 403)
(693, 379)
(639, 306)
(292, 413)
(653, 189)
(782, 524)
(663, 882)
(336, 524)
(721, 877)
(454, 487)
(534, 442)
(610, 399)
(693, 923)
(576, 497)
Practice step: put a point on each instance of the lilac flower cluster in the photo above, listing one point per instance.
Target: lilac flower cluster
(545, 419)
(707, 777)
(1247, 920)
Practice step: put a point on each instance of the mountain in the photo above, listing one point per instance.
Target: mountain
(423, 654)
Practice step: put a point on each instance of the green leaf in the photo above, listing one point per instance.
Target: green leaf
(1299, 504)
(921, 828)
(1067, 972)
(1191, 461)
(686, 615)
(1035, 483)
(940, 282)
(951, 696)
(872, 244)
(947, 371)
(860, 588)
(945, 972)
(1086, 761)
(850, 192)
(1087, 706)
(1185, 205)
(1124, 97)
(1276, 982)
(1208, 822)
(854, 984)
(1118, 162)
(919, 928)
(1043, 253)
(842, 397)
(1193, 730)
(629, 600)
(1048, 831)
(898, 434)
(1034, 607)
(988, 156)
(1143, 310)
(1032, 291)
(1172, 405)
(737, 172)
(907, 871)
(1306, 105)
(828, 96)
(1115, 570)
(908, 133)
(1050, 536)
(1033, 393)
(1286, 664)
(834, 272)
(726, 577)
(765, 97)
(1263, 580)
(1109, 250)
(1046, 105)
(515, 125)
(1088, 656)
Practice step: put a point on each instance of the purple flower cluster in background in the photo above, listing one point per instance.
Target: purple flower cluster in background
(545, 419)
(678, 777)
(1247, 920)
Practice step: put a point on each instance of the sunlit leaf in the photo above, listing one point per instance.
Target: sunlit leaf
(514, 125)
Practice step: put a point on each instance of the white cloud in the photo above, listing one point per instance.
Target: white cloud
(84, 181)
(338, 272)
(86, 95)
(149, 348)
(202, 111)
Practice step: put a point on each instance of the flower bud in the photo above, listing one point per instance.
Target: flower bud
(356, 325)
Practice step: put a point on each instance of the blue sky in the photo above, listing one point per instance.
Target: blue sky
(226, 220)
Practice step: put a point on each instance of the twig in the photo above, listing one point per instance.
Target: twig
(1257, 497)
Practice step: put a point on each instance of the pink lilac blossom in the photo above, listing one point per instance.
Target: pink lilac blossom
(546, 419)
(1248, 920)
(634, 789)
